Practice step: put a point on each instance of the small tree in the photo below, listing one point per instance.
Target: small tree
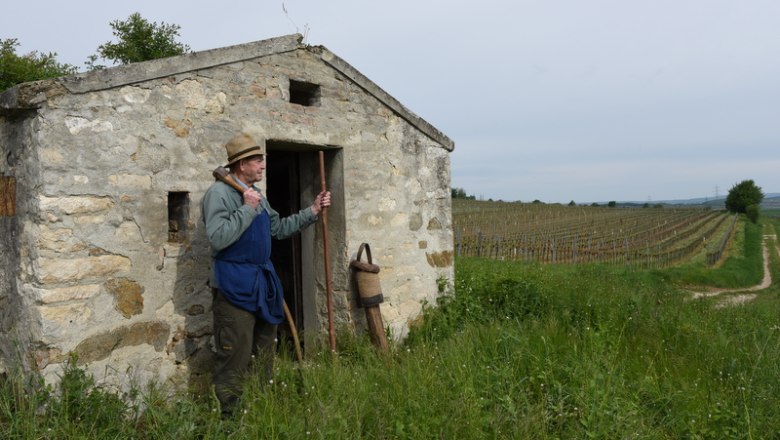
(742, 195)
(572, 203)
(612, 204)
(139, 40)
(16, 69)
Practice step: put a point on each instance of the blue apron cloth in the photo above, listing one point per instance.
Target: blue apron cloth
(244, 272)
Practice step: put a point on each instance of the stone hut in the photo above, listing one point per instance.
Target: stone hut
(101, 177)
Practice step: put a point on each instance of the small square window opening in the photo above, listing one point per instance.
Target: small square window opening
(305, 94)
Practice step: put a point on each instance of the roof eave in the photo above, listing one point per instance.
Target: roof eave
(369, 86)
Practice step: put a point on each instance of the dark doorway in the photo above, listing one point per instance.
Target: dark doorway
(284, 195)
(292, 182)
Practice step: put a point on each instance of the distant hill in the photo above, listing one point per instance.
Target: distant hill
(771, 200)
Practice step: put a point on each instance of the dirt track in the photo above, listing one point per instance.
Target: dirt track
(746, 293)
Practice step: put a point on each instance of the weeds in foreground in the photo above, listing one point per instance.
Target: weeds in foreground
(513, 351)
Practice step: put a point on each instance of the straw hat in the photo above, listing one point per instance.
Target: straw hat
(241, 147)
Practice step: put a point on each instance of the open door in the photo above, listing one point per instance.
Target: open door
(292, 182)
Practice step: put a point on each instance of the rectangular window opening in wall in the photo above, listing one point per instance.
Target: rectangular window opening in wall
(303, 93)
(178, 216)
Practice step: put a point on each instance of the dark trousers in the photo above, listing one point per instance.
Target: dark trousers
(238, 337)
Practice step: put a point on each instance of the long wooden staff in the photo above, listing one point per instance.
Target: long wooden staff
(324, 213)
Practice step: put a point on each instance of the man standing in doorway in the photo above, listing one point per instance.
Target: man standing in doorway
(248, 298)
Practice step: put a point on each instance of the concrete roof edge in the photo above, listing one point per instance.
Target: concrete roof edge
(350, 72)
(29, 95)
(9, 98)
(142, 71)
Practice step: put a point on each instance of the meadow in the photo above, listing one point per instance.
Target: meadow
(512, 350)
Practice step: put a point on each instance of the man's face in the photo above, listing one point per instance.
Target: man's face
(253, 168)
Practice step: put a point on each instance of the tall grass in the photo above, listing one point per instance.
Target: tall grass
(512, 351)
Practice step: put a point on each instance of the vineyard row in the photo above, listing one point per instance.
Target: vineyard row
(557, 234)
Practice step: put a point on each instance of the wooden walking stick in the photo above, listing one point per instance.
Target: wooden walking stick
(222, 174)
(329, 291)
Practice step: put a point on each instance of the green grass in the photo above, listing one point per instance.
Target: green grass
(742, 268)
(513, 351)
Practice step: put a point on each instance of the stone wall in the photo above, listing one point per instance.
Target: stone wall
(96, 273)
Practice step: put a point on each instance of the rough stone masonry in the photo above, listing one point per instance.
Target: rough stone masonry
(97, 263)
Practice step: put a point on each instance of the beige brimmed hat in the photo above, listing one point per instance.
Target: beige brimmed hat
(241, 147)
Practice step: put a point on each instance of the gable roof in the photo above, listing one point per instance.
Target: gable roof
(31, 95)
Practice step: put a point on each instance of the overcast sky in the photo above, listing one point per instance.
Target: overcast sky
(556, 100)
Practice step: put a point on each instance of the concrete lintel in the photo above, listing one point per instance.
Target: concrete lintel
(369, 86)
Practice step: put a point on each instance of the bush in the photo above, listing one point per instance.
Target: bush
(16, 69)
(752, 213)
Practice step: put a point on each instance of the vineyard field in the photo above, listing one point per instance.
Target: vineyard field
(642, 237)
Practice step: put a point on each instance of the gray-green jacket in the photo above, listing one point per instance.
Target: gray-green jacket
(226, 218)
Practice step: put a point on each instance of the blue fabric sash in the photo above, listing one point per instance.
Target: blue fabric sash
(244, 273)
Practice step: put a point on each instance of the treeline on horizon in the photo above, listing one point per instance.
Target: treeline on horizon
(744, 197)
